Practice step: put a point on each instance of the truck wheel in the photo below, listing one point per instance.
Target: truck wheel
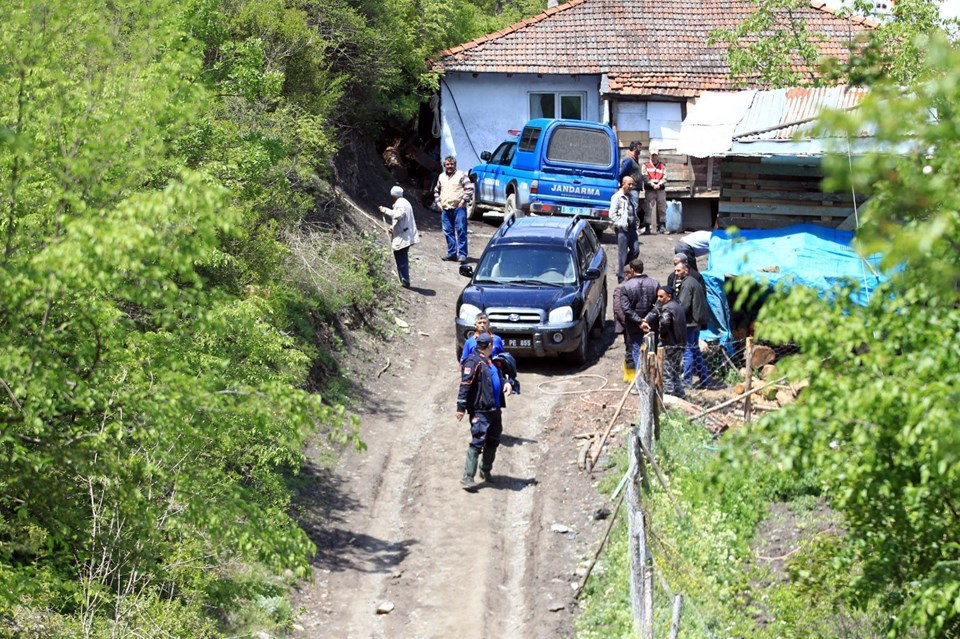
(579, 356)
(472, 212)
(510, 208)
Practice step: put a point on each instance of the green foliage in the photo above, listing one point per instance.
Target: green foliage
(150, 390)
(877, 424)
(774, 47)
(712, 555)
(896, 49)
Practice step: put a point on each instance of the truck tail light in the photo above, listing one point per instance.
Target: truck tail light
(604, 213)
(534, 185)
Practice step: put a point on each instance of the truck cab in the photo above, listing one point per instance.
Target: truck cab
(551, 167)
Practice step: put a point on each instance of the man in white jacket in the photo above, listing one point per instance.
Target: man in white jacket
(403, 231)
(623, 216)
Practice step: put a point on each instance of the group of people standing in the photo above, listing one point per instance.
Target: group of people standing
(675, 313)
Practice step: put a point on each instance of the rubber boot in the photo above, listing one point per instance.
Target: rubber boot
(470, 469)
(486, 465)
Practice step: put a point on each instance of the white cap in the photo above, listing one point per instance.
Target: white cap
(396, 191)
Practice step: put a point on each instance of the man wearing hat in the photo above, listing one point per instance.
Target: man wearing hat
(483, 391)
(403, 231)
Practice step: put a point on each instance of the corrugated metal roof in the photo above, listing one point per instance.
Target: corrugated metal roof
(781, 113)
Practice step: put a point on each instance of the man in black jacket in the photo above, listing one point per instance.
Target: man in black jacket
(693, 299)
(669, 315)
(483, 391)
(638, 294)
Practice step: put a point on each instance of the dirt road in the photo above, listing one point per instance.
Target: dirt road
(393, 528)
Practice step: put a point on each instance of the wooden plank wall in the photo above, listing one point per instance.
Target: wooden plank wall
(768, 195)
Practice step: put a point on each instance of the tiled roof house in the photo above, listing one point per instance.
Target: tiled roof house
(632, 63)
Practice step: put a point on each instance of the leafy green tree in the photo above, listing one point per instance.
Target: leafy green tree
(878, 424)
(774, 47)
(150, 403)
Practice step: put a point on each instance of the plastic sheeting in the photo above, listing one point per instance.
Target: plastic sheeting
(806, 255)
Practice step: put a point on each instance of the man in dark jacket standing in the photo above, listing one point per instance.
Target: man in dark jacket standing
(669, 316)
(638, 294)
(483, 391)
(693, 299)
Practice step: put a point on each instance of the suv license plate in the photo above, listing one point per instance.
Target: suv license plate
(518, 342)
(576, 210)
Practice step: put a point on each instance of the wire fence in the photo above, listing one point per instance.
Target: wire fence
(742, 364)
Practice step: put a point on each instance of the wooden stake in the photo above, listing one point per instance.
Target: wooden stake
(603, 542)
(646, 626)
(592, 459)
(736, 399)
(675, 622)
(749, 380)
(662, 478)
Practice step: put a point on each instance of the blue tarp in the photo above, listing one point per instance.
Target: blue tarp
(805, 254)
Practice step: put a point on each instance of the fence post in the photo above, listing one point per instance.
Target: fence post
(646, 627)
(658, 394)
(635, 529)
(675, 622)
(749, 380)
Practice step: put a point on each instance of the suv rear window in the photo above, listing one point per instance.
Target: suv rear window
(582, 146)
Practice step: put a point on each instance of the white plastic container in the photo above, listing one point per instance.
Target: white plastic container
(674, 221)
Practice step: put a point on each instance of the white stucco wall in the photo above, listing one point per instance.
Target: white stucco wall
(477, 112)
(660, 119)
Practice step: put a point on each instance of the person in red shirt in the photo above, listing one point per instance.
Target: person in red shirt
(654, 193)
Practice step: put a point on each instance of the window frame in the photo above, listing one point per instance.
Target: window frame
(557, 103)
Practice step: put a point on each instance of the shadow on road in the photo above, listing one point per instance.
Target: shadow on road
(319, 505)
(510, 440)
(505, 482)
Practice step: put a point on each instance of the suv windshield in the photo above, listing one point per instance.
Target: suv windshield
(536, 265)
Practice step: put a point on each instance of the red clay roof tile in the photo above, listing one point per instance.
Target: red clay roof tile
(666, 54)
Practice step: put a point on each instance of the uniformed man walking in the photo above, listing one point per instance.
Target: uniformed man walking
(483, 391)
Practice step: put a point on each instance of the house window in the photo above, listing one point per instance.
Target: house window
(557, 105)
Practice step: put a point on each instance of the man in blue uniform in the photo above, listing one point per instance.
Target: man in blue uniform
(483, 391)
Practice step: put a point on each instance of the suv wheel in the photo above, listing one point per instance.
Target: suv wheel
(579, 356)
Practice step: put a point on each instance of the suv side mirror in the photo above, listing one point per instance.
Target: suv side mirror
(466, 270)
(589, 274)
(485, 156)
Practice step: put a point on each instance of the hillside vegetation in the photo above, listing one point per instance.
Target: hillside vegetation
(160, 369)
(855, 488)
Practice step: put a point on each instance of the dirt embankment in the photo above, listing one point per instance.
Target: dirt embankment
(394, 530)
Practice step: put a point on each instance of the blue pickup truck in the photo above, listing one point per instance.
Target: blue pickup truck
(553, 167)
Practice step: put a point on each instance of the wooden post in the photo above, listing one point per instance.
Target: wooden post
(748, 381)
(643, 361)
(675, 622)
(658, 395)
(635, 528)
(645, 573)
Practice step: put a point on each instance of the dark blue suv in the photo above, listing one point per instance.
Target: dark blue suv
(542, 283)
